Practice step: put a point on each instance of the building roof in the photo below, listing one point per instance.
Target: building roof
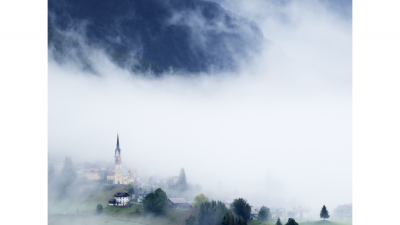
(121, 194)
(111, 174)
(142, 193)
(255, 210)
(177, 200)
(124, 172)
(118, 149)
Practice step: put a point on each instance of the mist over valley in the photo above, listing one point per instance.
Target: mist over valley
(251, 99)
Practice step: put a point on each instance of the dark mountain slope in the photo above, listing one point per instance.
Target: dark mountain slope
(192, 35)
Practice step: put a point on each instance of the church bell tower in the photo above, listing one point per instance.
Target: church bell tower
(117, 156)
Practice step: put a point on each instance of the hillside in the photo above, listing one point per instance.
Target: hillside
(190, 35)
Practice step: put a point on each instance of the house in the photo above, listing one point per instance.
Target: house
(141, 195)
(110, 176)
(301, 212)
(254, 212)
(278, 212)
(121, 199)
(343, 212)
(178, 203)
(92, 174)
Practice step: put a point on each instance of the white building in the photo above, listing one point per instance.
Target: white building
(121, 199)
(278, 212)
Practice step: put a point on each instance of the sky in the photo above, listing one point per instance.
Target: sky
(277, 132)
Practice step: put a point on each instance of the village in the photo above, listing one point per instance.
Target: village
(131, 189)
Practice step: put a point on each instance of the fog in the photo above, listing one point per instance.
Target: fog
(276, 132)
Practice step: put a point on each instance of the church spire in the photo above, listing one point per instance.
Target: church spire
(117, 149)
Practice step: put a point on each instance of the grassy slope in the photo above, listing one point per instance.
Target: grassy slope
(77, 220)
(326, 222)
(88, 206)
(318, 222)
(173, 216)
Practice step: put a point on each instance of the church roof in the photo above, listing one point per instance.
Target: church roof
(117, 149)
(124, 172)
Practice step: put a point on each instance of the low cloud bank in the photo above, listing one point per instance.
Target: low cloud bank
(277, 132)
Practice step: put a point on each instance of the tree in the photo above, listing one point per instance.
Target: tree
(181, 183)
(324, 213)
(205, 216)
(220, 210)
(148, 202)
(291, 221)
(263, 214)
(200, 199)
(278, 221)
(191, 220)
(68, 171)
(161, 201)
(156, 202)
(67, 178)
(131, 191)
(229, 219)
(99, 209)
(241, 208)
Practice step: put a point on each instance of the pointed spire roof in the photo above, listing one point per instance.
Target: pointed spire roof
(117, 149)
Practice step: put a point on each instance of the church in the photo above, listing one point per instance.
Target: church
(121, 175)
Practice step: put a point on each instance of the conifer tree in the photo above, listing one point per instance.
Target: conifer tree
(241, 208)
(324, 213)
(68, 171)
(191, 220)
(291, 221)
(181, 183)
(220, 211)
(225, 220)
(278, 221)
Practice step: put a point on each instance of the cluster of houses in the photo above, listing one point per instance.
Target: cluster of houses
(124, 199)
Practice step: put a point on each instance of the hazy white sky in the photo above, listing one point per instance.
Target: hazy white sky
(277, 133)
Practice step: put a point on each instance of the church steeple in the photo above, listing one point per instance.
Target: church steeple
(117, 150)
(117, 156)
